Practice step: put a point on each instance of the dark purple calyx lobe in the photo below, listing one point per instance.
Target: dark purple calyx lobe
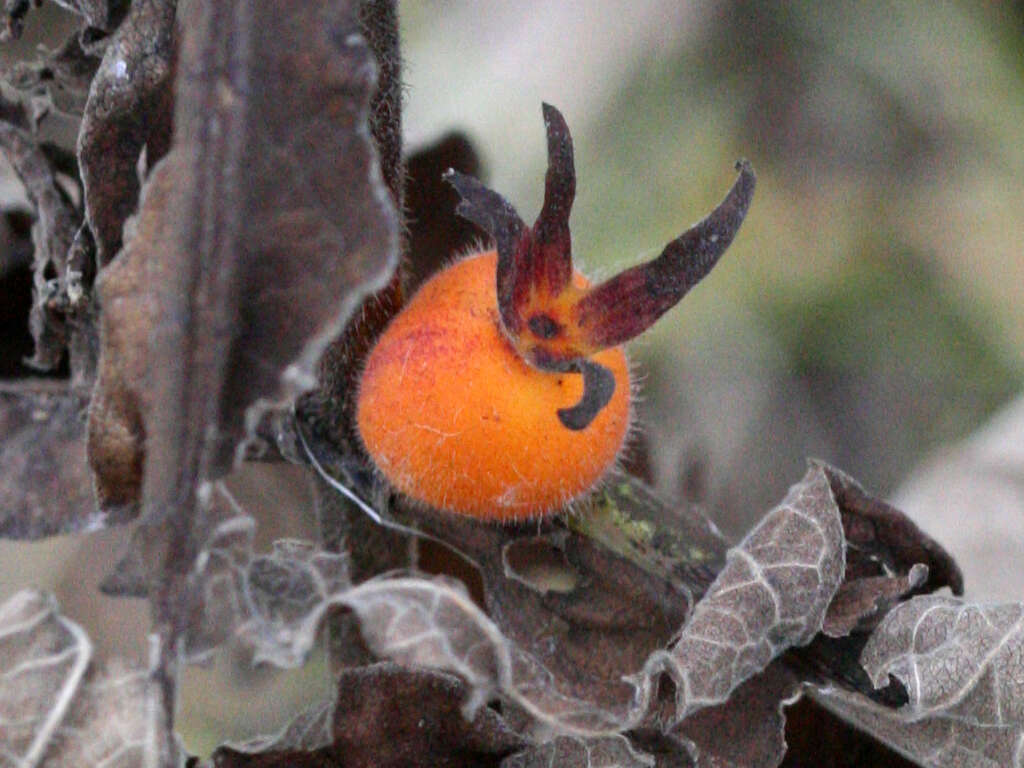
(555, 324)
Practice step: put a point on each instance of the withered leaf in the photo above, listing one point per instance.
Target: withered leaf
(772, 594)
(867, 597)
(583, 608)
(64, 75)
(284, 592)
(434, 623)
(216, 587)
(112, 723)
(129, 106)
(960, 664)
(59, 711)
(882, 540)
(588, 618)
(272, 600)
(816, 736)
(575, 752)
(888, 560)
(333, 401)
(45, 488)
(116, 430)
(52, 234)
(557, 632)
(430, 623)
(436, 234)
(257, 235)
(43, 660)
(959, 660)
(271, 229)
(747, 730)
(791, 565)
(933, 742)
(387, 715)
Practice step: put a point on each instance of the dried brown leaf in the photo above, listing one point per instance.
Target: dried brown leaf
(934, 742)
(434, 623)
(387, 715)
(747, 730)
(45, 488)
(888, 560)
(772, 594)
(882, 540)
(436, 234)
(960, 664)
(254, 242)
(869, 597)
(570, 622)
(273, 600)
(588, 618)
(816, 736)
(585, 607)
(52, 234)
(56, 710)
(116, 431)
(215, 587)
(962, 661)
(576, 752)
(332, 403)
(555, 595)
(128, 107)
(284, 592)
(43, 660)
(112, 723)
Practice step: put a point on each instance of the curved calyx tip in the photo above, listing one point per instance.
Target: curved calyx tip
(556, 325)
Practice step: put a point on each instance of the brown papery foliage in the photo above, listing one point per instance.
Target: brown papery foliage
(210, 268)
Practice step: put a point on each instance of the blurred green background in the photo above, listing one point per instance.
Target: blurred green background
(870, 309)
(868, 313)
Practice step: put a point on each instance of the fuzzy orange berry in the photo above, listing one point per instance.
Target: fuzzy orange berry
(501, 390)
(453, 415)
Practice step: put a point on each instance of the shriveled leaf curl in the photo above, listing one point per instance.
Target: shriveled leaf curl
(43, 659)
(772, 594)
(963, 661)
(52, 234)
(961, 666)
(736, 659)
(258, 283)
(58, 710)
(932, 742)
(128, 108)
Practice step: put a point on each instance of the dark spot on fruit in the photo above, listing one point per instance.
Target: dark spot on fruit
(543, 326)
